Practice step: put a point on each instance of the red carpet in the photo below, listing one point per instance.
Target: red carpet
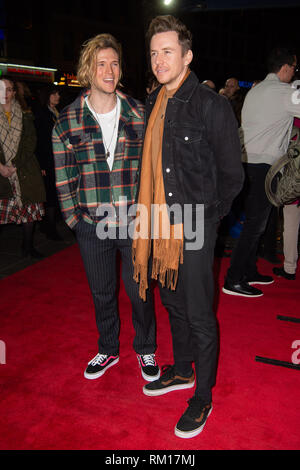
(48, 327)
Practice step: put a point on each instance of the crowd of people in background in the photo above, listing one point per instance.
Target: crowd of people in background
(28, 195)
(282, 222)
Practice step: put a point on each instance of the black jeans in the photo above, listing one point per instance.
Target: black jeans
(192, 319)
(257, 211)
(99, 258)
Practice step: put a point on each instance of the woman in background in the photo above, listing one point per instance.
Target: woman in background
(22, 191)
(45, 118)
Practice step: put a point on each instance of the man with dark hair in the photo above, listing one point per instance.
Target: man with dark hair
(231, 87)
(97, 144)
(279, 57)
(191, 160)
(267, 120)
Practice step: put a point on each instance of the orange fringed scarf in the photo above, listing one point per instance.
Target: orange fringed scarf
(167, 248)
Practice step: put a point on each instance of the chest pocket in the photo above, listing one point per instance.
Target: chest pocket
(188, 135)
(188, 144)
(83, 147)
(133, 143)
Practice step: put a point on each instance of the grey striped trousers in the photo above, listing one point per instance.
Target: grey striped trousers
(100, 262)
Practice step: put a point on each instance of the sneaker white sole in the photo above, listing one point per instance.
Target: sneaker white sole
(230, 292)
(260, 282)
(189, 434)
(163, 391)
(96, 375)
(150, 378)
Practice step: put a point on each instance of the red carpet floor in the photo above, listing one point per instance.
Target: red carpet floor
(48, 329)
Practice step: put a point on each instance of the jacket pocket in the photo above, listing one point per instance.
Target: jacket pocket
(83, 148)
(187, 136)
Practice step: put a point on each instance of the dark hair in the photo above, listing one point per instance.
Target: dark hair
(165, 23)
(279, 57)
(45, 92)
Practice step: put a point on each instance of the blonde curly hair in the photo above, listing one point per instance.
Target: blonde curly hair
(87, 60)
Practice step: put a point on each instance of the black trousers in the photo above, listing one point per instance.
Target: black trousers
(100, 262)
(192, 318)
(257, 211)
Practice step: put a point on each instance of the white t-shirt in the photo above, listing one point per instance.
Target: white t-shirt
(109, 123)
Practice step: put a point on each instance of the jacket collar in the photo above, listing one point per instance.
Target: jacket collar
(128, 108)
(184, 93)
(272, 76)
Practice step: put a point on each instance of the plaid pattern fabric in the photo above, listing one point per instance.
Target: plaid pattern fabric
(11, 213)
(83, 178)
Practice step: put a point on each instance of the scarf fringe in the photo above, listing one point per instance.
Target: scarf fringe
(166, 269)
(140, 276)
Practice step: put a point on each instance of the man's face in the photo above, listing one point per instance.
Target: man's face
(107, 72)
(289, 71)
(231, 87)
(168, 64)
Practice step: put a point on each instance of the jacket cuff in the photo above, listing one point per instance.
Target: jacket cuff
(73, 220)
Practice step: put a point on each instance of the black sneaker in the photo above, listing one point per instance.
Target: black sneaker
(259, 279)
(241, 288)
(193, 419)
(168, 382)
(280, 272)
(149, 367)
(99, 364)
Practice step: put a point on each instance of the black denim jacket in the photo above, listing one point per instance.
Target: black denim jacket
(201, 153)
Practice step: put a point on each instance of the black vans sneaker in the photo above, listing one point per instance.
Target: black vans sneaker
(149, 367)
(193, 419)
(99, 364)
(168, 382)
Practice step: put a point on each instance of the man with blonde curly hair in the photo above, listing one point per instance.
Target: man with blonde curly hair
(97, 144)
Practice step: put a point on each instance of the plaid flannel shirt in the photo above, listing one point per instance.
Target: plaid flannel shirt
(83, 178)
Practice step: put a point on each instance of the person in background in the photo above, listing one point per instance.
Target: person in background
(25, 97)
(22, 191)
(210, 84)
(231, 87)
(267, 121)
(45, 118)
(291, 221)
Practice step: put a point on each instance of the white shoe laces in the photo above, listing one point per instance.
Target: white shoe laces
(148, 359)
(97, 360)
